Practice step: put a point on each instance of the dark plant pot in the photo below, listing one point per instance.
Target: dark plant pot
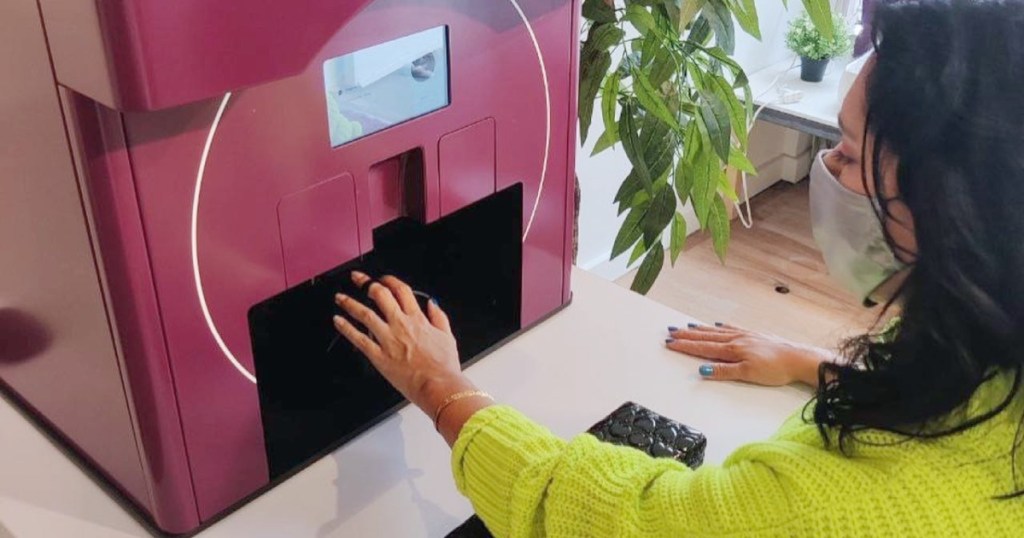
(813, 70)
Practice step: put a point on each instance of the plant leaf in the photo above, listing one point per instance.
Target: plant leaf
(683, 179)
(672, 10)
(745, 12)
(705, 185)
(662, 68)
(630, 61)
(739, 161)
(720, 19)
(737, 114)
(748, 99)
(677, 237)
(593, 67)
(602, 37)
(630, 186)
(630, 138)
(630, 231)
(696, 75)
(649, 49)
(659, 214)
(692, 141)
(720, 55)
(607, 140)
(820, 12)
(664, 23)
(652, 101)
(639, 199)
(726, 188)
(687, 9)
(649, 269)
(609, 95)
(700, 32)
(638, 250)
(718, 223)
(657, 144)
(714, 117)
(598, 11)
(641, 18)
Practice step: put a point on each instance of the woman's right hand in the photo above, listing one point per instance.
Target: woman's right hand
(741, 355)
(414, 350)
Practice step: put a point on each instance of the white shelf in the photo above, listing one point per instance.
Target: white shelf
(816, 113)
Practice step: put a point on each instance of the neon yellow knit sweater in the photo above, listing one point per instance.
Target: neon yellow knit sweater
(524, 481)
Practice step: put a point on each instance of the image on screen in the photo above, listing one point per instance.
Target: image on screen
(386, 84)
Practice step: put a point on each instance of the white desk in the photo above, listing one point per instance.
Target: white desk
(604, 349)
(816, 114)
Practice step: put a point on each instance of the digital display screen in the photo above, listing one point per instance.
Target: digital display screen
(387, 84)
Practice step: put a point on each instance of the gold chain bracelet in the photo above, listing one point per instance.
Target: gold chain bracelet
(454, 398)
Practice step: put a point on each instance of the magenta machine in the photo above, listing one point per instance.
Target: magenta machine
(214, 170)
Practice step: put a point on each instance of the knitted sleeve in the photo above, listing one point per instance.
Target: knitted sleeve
(524, 481)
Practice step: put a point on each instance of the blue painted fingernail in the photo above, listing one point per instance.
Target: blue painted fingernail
(706, 370)
(434, 300)
(669, 340)
(719, 324)
(672, 329)
(693, 325)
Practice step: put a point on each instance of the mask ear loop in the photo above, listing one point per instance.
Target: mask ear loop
(881, 209)
(895, 280)
(882, 213)
(887, 289)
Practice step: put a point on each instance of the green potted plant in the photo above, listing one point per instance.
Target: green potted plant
(679, 106)
(815, 48)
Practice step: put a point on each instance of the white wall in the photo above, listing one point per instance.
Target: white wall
(600, 176)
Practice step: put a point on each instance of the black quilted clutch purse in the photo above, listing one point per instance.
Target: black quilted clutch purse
(636, 426)
(631, 425)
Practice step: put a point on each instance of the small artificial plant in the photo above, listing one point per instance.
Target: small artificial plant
(679, 105)
(804, 38)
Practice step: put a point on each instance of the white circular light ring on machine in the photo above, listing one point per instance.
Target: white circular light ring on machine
(547, 114)
(201, 294)
(195, 245)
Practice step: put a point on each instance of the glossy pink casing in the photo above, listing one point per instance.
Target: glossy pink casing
(140, 83)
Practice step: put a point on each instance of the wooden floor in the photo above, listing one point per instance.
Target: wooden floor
(778, 251)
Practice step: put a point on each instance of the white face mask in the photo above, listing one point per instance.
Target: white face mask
(849, 234)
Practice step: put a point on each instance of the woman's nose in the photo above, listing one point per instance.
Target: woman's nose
(832, 163)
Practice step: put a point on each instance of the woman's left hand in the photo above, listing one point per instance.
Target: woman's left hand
(415, 352)
(741, 355)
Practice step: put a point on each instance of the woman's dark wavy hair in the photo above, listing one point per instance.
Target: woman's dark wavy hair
(946, 99)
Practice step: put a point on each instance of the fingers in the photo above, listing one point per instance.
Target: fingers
(360, 279)
(379, 294)
(359, 339)
(723, 371)
(362, 314)
(403, 294)
(699, 335)
(718, 327)
(438, 318)
(718, 351)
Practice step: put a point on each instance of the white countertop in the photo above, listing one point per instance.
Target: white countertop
(604, 349)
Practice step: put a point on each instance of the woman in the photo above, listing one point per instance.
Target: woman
(912, 433)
